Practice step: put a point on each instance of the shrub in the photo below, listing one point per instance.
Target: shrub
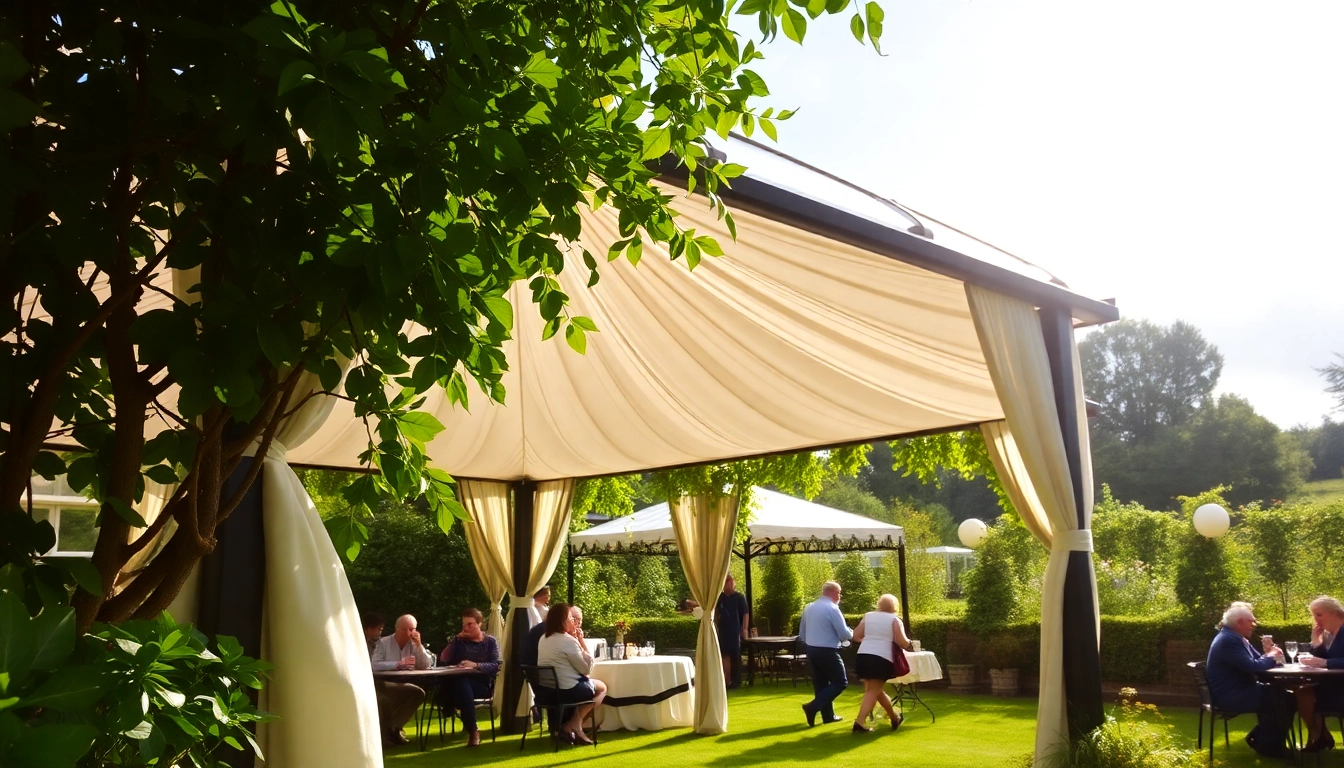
(991, 586)
(653, 588)
(1126, 741)
(665, 632)
(856, 578)
(1132, 588)
(778, 606)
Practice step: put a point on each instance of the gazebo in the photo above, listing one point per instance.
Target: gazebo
(836, 317)
(779, 523)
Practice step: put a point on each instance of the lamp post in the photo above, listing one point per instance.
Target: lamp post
(972, 532)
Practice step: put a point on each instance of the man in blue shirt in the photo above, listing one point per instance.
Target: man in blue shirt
(823, 630)
(1232, 670)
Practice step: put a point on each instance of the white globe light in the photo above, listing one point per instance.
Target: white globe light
(972, 532)
(1212, 521)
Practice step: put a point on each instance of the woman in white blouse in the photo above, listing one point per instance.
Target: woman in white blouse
(875, 634)
(562, 648)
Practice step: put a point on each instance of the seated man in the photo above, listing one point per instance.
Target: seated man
(1232, 668)
(476, 650)
(398, 702)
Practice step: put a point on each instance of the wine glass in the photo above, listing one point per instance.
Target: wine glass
(1290, 649)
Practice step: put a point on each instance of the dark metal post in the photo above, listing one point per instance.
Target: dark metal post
(905, 599)
(233, 579)
(524, 514)
(746, 571)
(569, 579)
(1082, 666)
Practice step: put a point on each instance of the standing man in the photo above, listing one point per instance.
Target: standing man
(823, 630)
(542, 602)
(400, 650)
(731, 615)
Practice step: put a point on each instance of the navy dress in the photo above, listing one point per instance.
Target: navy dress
(1330, 693)
(1232, 668)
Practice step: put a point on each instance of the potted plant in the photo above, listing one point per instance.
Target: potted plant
(960, 655)
(1002, 652)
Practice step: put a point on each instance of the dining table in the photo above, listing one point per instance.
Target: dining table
(427, 679)
(1288, 677)
(763, 648)
(924, 667)
(646, 693)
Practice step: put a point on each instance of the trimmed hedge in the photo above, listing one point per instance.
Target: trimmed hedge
(1132, 647)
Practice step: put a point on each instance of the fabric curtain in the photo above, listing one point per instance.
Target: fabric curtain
(704, 526)
(490, 537)
(1027, 449)
(322, 685)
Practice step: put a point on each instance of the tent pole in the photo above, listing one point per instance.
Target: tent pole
(233, 580)
(524, 519)
(1082, 666)
(569, 578)
(746, 569)
(905, 598)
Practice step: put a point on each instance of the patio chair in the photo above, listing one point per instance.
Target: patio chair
(448, 713)
(795, 662)
(545, 683)
(1206, 705)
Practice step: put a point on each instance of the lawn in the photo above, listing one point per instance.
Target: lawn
(766, 728)
(1321, 491)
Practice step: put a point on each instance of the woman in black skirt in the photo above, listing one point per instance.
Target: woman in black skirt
(875, 634)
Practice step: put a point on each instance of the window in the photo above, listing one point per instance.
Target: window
(73, 516)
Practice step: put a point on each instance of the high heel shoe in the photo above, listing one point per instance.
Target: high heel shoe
(861, 728)
(897, 722)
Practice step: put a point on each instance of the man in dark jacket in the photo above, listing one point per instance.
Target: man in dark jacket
(1232, 668)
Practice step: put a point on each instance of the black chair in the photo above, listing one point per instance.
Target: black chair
(447, 712)
(687, 652)
(545, 683)
(794, 662)
(1206, 705)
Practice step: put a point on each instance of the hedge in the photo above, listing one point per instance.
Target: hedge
(1132, 647)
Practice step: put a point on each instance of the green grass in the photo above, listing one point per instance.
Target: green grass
(1321, 491)
(766, 728)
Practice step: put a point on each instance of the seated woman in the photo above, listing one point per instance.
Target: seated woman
(562, 648)
(875, 634)
(1327, 651)
(474, 649)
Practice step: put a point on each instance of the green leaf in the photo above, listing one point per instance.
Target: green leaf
(731, 170)
(769, 129)
(874, 17)
(542, 71)
(85, 574)
(127, 514)
(162, 474)
(18, 646)
(657, 142)
(140, 731)
(68, 689)
(15, 111)
(419, 426)
(448, 512)
(585, 323)
(501, 310)
(709, 245)
(836, 6)
(51, 746)
(298, 72)
(795, 25)
(856, 27)
(329, 374)
(634, 252)
(53, 632)
(49, 465)
(575, 337)
(12, 64)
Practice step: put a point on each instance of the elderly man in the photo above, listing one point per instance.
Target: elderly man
(398, 702)
(823, 630)
(1232, 668)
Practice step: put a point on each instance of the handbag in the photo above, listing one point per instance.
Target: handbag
(898, 660)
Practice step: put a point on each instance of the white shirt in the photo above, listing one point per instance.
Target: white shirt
(387, 654)
(567, 655)
(877, 634)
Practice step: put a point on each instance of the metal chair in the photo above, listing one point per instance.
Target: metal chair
(794, 662)
(449, 713)
(545, 684)
(1206, 705)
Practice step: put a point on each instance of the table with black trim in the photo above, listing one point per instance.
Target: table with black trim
(428, 680)
(646, 693)
(1287, 677)
(763, 648)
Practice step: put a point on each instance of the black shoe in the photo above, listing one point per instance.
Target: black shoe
(1326, 741)
(897, 722)
(811, 715)
(832, 719)
(859, 728)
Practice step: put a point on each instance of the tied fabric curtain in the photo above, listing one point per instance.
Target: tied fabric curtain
(491, 537)
(322, 685)
(704, 527)
(1027, 449)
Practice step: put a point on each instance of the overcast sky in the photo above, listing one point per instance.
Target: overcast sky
(1185, 158)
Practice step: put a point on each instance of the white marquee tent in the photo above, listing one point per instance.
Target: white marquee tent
(837, 317)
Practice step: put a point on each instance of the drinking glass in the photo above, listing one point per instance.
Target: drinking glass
(1290, 650)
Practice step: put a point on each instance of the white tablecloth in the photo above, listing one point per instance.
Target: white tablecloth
(923, 668)
(647, 676)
